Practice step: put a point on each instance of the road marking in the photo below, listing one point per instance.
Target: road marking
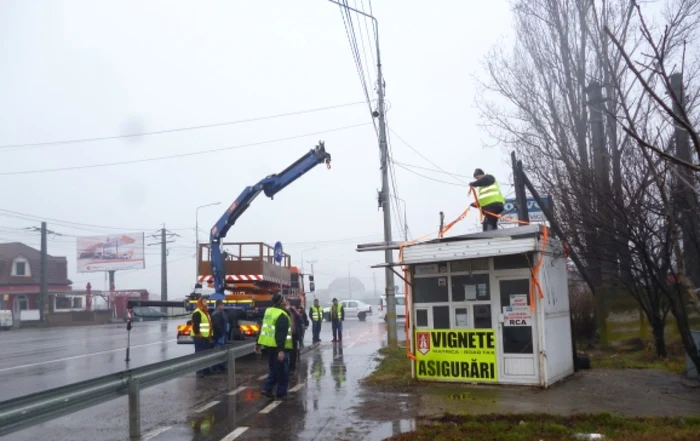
(235, 391)
(206, 406)
(350, 345)
(271, 406)
(297, 387)
(155, 432)
(235, 434)
(262, 377)
(75, 357)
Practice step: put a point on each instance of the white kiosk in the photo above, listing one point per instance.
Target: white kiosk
(490, 307)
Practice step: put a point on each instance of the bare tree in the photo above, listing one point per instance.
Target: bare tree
(573, 107)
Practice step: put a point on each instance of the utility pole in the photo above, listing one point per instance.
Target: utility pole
(164, 236)
(44, 306)
(311, 262)
(392, 335)
(686, 202)
(601, 184)
(384, 202)
(44, 285)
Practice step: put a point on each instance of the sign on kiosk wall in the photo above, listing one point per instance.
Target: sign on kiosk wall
(456, 355)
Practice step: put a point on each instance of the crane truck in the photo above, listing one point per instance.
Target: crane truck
(250, 277)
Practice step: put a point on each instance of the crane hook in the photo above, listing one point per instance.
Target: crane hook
(328, 164)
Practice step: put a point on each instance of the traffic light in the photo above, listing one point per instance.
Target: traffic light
(312, 285)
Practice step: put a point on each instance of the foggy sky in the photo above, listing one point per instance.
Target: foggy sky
(85, 69)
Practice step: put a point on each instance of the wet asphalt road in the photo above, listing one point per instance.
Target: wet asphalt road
(323, 392)
(33, 360)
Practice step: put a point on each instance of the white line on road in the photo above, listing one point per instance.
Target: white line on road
(206, 406)
(297, 387)
(75, 357)
(271, 406)
(235, 391)
(155, 432)
(262, 377)
(350, 345)
(235, 434)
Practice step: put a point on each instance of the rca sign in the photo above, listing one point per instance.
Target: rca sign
(517, 316)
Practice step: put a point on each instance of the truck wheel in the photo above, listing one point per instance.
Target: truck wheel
(362, 316)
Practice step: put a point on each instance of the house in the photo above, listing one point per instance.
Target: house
(20, 282)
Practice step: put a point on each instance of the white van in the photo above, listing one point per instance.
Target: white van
(400, 306)
(6, 320)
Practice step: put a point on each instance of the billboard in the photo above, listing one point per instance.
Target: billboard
(534, 211)
(112, 252)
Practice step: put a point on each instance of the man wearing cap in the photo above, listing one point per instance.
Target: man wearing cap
(276, 336)
(489, 198)
(201, 331)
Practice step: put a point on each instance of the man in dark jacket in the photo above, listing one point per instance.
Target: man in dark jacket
(305, 323)
(276, 336)
(297, 325)
(219, 320)
(489, 198)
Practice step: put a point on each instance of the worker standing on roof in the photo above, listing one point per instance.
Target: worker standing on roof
(276, 336)
(201, 331)
(489, 198)
(316, 314)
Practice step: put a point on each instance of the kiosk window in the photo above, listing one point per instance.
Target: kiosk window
(482, 317)
(470, 288)
(513, 261)
(461, 318)
(422, 318)
(430, 290)
(516, 339)
(441, 317)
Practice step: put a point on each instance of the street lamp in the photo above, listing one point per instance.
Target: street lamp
(196, 236)
(350, 284)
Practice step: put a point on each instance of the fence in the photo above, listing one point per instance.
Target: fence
(23, 412)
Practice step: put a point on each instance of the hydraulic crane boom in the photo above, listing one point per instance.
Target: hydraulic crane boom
(270, 185)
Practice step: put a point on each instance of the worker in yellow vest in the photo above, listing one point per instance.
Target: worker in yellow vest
(276, 337)
(201, 331)
(316, 314)
(489, 198)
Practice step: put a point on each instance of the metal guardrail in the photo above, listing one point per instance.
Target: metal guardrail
(23, 412)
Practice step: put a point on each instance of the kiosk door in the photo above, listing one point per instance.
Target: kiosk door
(517, 330)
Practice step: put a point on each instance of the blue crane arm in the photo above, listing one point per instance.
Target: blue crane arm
(270, 185)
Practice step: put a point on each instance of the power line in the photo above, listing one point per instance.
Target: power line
(424, 157)
(10, 147)
(429, 178)
(32, 217)
(427, 169)
(180, 155)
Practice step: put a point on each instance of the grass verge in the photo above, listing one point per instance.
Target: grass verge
(394, 369)
(526, 427)
(623, 358)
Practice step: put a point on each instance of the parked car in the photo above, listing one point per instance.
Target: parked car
(147, 313)
(353, 308)
(400, 306)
